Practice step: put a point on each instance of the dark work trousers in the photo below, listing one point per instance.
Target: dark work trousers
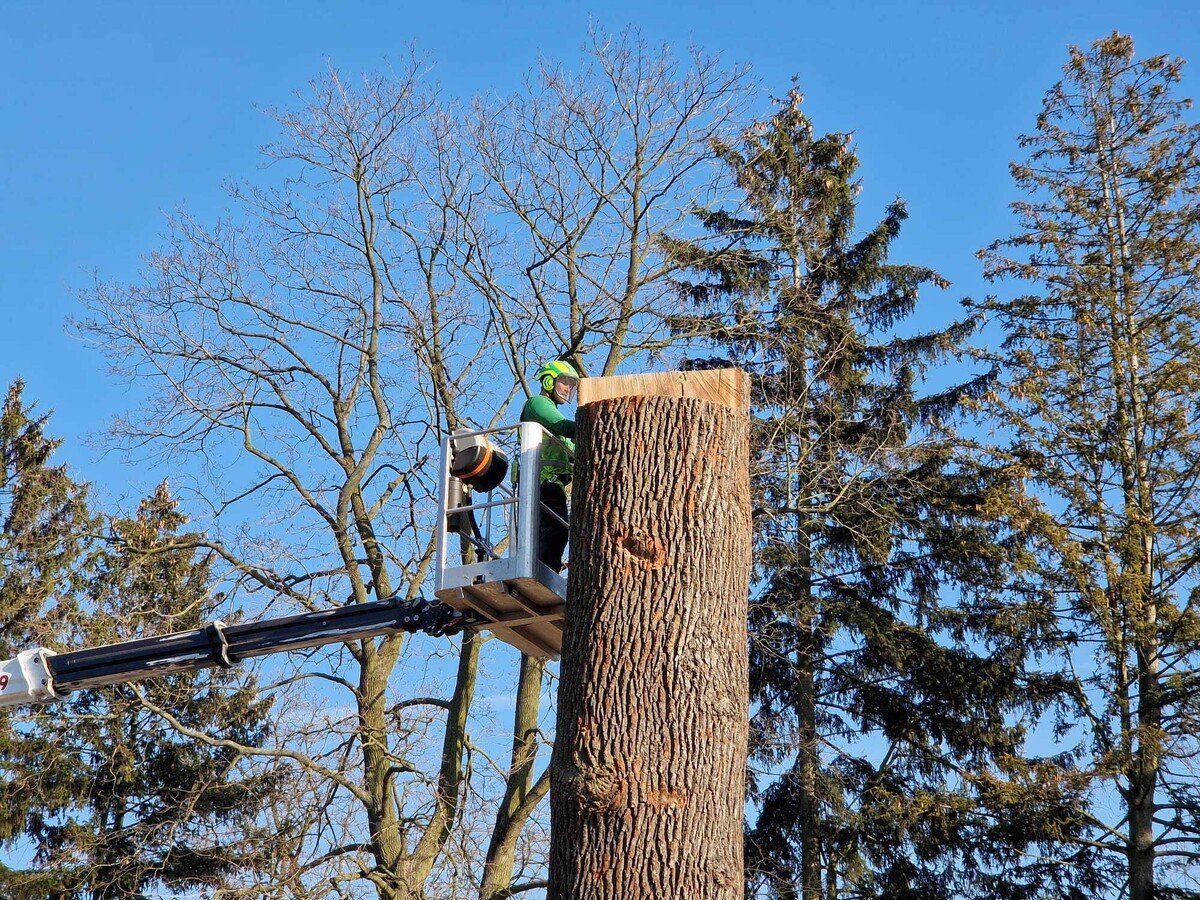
(552, 534)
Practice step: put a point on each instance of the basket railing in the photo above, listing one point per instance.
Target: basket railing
(508, 548)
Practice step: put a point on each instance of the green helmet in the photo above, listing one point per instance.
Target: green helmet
(550, 372)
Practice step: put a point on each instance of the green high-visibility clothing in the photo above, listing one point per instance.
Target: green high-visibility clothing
(556, 460)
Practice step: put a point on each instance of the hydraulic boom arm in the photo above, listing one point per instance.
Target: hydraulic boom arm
(39, 675)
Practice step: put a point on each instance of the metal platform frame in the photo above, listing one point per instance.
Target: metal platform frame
(517, 596)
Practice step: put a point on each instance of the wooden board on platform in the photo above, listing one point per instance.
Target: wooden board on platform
(728, 387)
(521, 611)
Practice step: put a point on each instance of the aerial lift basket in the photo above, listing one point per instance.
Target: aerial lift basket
(509, 591)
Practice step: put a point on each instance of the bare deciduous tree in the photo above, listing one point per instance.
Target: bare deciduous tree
(301, 359)
(286, 351)
(584, 169)
(580, 173)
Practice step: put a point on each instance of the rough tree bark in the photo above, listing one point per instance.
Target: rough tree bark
(648, 769)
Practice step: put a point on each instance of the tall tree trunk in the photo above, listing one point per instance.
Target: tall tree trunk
(1147, 761)
(1138, 508)
(1141, 850)
(501, 852)
(418, 865)
(648, 769)
(386, 842)
(807, 760)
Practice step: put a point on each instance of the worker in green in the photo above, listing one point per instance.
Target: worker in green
(557, 380)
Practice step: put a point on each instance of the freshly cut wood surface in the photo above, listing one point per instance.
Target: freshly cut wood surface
(729, 387)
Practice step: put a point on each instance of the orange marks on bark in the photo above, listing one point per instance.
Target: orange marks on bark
(667, 799)
(644, 547)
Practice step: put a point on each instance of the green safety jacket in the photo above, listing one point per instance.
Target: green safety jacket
(556, 460)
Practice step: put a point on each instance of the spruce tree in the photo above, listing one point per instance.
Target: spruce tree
(1101, 376)
(882, 667)
(43, 552)
(118, 803)
(45, 523)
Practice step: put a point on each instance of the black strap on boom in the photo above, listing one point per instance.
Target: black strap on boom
(218, 647)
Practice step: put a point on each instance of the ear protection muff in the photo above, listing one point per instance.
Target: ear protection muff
(548, 382)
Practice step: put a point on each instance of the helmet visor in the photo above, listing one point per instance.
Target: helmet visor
(564, 387)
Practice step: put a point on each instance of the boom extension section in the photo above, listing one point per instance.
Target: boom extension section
(40, 675)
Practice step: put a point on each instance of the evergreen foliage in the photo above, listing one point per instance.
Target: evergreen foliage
(1101, 375)
(45, 522)
(113, 802)
(883, 666)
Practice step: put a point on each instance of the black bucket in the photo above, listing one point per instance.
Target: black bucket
(482, 467)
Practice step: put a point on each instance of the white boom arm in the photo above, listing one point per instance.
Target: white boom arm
(26, 678)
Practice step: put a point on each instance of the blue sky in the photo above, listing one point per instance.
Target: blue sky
(113, 113)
